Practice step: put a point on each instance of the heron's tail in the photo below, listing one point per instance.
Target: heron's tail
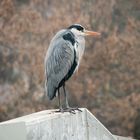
(50, 90)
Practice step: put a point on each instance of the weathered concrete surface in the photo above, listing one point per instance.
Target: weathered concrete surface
(123, 138)
(13, 131)
(49, 125)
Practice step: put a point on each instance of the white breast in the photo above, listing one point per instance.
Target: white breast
(79, 48)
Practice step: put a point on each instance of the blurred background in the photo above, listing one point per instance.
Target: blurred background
(108, 80)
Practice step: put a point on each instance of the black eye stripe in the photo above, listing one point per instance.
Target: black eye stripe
(78, 27)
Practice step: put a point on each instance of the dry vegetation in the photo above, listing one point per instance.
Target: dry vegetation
(108, 81)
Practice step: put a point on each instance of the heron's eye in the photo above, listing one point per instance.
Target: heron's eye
(79, 28)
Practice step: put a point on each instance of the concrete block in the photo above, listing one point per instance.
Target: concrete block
(51, 125)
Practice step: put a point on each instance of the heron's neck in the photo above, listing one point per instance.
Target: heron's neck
(80, 39)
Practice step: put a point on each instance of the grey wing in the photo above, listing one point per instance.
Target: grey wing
(58, 65)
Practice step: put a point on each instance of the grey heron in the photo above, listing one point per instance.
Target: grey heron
(62, 60)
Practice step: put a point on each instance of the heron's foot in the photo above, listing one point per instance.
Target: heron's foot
(69, 109)
(72, 109)
(62, 110)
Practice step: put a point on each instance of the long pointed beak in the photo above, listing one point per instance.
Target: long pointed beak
(91, 33)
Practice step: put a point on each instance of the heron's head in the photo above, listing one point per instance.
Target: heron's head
(79, 30)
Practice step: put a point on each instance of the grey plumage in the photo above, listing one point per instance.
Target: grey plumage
(63, 57)
(59, 59)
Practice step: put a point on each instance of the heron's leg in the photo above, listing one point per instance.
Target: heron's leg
(59, 101)
(66, 98)
(68, 108)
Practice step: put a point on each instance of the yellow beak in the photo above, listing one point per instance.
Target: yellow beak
(91, 33)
